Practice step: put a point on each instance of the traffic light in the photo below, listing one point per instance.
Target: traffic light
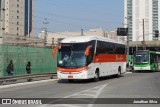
(157, 33)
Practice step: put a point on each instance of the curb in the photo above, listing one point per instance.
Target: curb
(26, 83)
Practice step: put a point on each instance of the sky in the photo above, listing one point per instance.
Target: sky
(74, 15)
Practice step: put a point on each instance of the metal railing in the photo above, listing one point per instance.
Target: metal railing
(15, 78)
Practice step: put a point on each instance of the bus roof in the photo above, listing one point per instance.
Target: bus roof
(153, 52)
(81, 39)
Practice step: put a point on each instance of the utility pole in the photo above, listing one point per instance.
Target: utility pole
(127, 40)
(45, 29)
(143, 36)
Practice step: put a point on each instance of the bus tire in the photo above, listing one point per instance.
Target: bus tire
(156, 68)
(119, 72)
(96, 76)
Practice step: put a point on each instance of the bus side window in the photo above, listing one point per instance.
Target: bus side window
(90, 57)
(91, 52)
(98, 48)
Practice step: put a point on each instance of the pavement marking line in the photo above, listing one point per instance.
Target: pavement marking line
(26, 83)
(97, 94)
(84, 91)
(98, 88)
(128, 73)
(86, 95)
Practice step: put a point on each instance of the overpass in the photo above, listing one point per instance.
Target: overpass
(154, 43)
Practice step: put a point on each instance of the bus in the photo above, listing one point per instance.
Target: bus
(146, 60)
(86, 57)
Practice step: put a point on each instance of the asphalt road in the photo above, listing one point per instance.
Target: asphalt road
(135, 85)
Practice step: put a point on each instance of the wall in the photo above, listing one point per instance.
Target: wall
(41, 59)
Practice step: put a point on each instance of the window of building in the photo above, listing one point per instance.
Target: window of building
(17, 34)
(17, 5)
(17, 28)
(17, 23)
(17, 17)
(17, 11)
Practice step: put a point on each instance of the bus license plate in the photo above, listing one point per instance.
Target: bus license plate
(70, 76)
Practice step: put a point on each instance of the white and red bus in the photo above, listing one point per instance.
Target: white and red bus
(86, 57)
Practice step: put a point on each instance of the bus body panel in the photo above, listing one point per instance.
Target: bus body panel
(140, 68)
(105, 69)
(151, 63)
(107, 63)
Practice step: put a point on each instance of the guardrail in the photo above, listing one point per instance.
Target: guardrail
(10, 78)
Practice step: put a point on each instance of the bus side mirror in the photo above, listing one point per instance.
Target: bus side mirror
(88, 50)
(54, 51)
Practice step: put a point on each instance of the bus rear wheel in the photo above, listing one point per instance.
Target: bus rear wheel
(96, 76)
(119, 72)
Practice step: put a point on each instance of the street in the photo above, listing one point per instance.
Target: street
(133, 85)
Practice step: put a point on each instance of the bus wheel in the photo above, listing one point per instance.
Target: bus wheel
(96, 76)
(156, 68)
(119, 72)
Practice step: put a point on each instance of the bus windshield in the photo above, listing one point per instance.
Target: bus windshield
(72, 55)
(141, 57)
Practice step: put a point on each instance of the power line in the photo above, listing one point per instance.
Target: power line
(39, 29)
(72, 18)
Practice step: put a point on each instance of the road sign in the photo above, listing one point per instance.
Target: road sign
(122, 31)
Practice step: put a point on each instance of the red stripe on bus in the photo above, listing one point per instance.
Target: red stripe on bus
(109, 58)
(72, 69)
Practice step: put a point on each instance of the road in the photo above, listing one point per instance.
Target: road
(133, 85)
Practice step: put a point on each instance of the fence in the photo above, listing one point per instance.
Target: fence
(41, 59)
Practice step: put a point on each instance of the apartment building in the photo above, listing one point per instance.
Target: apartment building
(17, 17)
(142, 17)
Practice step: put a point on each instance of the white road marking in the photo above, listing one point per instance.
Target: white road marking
(88, 90)
(82, 94)
(97, 94)
(85, 95)
(128, 73)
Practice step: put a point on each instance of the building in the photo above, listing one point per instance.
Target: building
(17, 17)
(54, 38)
(142, 17)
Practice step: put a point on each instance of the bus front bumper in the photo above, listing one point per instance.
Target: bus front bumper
(142, 68)
(73, 75)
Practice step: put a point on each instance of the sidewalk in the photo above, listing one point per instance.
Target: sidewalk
(25, 80)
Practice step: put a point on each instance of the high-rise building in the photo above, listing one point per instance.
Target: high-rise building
(142, 17)
(17, 17)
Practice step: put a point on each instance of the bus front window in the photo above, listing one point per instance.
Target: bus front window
(72, 55)
(141, 58)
